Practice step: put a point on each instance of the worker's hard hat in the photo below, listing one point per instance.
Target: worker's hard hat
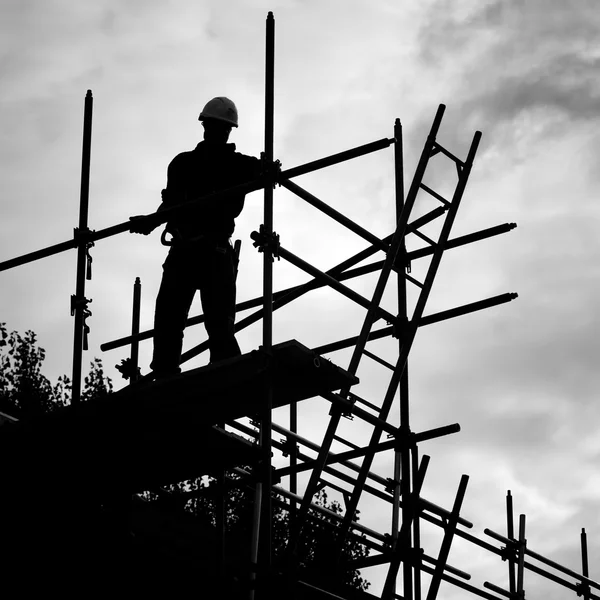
(221, 109)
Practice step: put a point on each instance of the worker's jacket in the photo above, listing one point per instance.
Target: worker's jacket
(208, 168)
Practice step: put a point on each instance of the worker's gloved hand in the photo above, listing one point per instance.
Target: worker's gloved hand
(141, 224)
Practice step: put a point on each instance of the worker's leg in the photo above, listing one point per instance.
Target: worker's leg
(217, 291)
(172, 307)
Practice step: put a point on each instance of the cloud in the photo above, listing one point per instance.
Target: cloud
(517, 64)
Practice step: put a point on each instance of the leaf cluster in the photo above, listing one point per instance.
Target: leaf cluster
(25, 391)
(316, 546)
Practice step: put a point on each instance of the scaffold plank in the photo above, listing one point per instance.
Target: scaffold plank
(162, 432)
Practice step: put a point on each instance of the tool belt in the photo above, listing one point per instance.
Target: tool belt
(201, 240)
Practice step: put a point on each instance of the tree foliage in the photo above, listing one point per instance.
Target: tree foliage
(316, 548)
(25, 391)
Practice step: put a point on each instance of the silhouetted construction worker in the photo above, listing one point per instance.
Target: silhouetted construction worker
(201, 256)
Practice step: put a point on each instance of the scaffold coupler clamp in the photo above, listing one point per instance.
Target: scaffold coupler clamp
(583, 589)
(351, 400)
(400, 327)
(401, 261)
(128, 369)
(510, 551)
(391, 485)
(270, 170)
(82, 302)
(405, 439)
(82, 236)
(289, 448)
(266, 241)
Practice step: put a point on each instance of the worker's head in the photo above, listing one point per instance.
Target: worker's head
(216, 131)
(218, 117)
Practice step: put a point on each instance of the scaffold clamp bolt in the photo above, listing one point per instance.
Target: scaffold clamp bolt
(127, 369)
(76, 302)
(266, 241)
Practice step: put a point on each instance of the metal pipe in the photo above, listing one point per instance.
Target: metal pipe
(510, 532)
(333, 458)
(263, 509)
(135, 329)
(427, 320)
(330, 470)
(556, 579)
(246, 188)
(313, 446)
(280, 298)
(399, 553)
(463, 240)
(402, 459)
(336, 285)
(258, 315)
(546, 561)
(334, 214)
(521, 558)
(417, 554)
(335, 159)
(79, 301)
(447, 541)
(584, 564)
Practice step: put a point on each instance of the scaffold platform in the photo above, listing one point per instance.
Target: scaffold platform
(155, 433)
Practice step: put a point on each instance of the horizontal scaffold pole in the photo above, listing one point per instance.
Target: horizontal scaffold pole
(544, 560)
(280, 302)
(335, 284)
(334, 458)
(334, 214)
(427, 320)
(463, 240)
(287, 295)
(283, 446)
(164, 215)
(335, 159)
(280, 298)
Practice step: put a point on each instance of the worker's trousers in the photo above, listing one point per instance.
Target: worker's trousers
(211, 268)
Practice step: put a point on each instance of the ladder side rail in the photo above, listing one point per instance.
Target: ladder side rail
(397, 239)
(447, 540)
(412, 328)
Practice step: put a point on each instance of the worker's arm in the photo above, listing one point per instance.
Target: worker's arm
(144, 224)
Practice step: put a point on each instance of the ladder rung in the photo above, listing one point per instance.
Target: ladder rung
(424, 237)
(439, 148)
(376, 358)
(352, 396)
(435, 194)
(413, 280)
(343, 441)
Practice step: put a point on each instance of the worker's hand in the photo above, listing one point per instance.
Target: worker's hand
(141, 224)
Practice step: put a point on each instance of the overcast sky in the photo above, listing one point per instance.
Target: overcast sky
(521, 379)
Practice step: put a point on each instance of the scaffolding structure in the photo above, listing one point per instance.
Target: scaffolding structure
(277, 375)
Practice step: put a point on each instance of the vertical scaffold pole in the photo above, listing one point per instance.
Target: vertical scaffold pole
(135, 330)
(584, 565)
(521, 559)
(79, 301)
(402, 457)
(510, 534)
(261, 534)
